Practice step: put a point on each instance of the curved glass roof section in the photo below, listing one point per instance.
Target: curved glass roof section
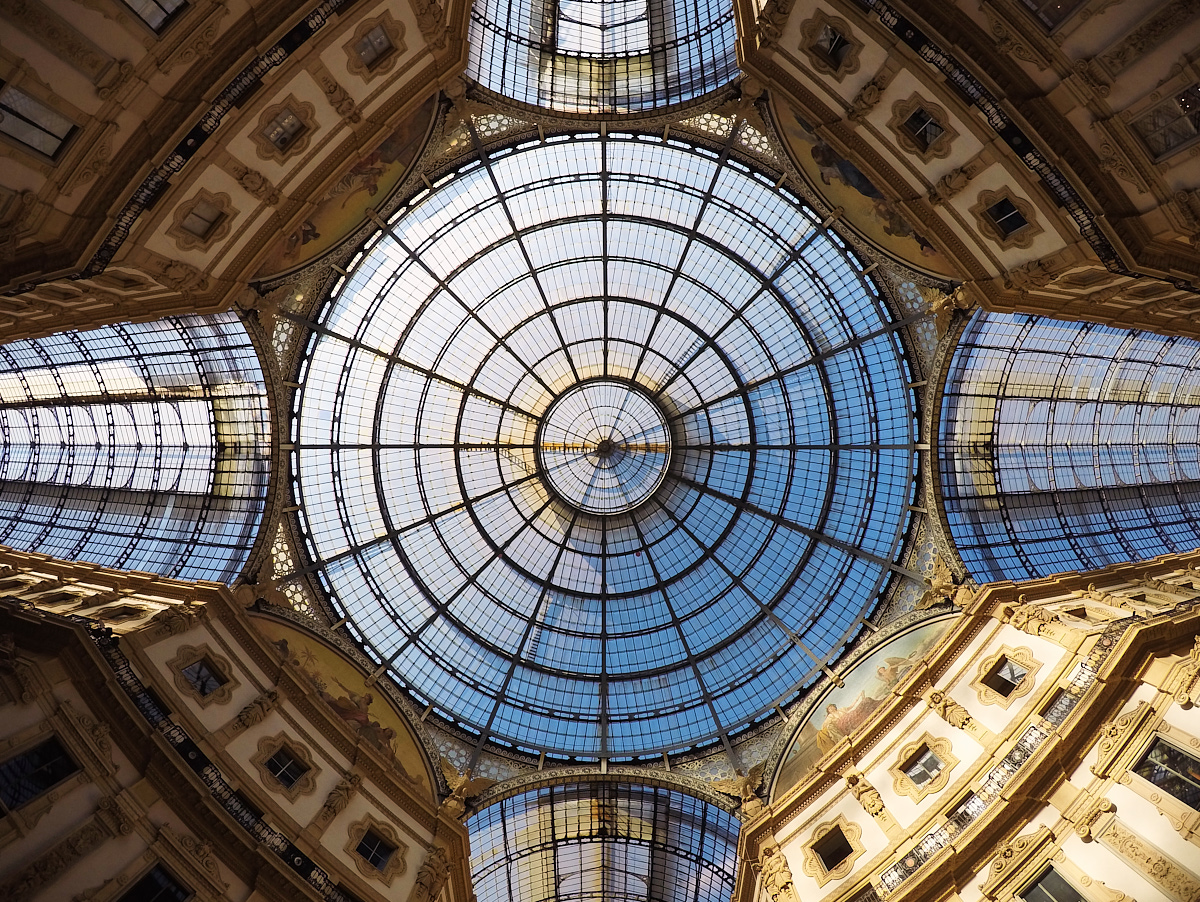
(1069, 446)
(605, 446)
(141, 446)
(618, 842)
(602, 56)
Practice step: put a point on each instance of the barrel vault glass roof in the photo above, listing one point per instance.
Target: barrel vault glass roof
(605, 446)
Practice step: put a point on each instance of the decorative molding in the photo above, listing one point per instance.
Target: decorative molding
(939, 148)
(252, 181)
(395, 866)
(1183, 682)
(1085, 820)
(903, 784)
(255, 711)
(197, 37)
(431, 876)
(1162, 870)
(384, 64)
(872, 803)
(1022, 237)
(1016, 860)
(186, 656)
(339, 98)
(268, 746)
(1021, 655)
(58, 36)
(1010, 43)
(339, 797)
(186, 240)
(175, 619)
(810, 30)
(815, 868)
(1118, 735)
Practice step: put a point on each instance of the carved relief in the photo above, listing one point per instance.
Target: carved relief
(196, 42)
(949, 710)
(1021, 237)
(1028, 276)
(57, 35)
(745, 787)
(872, 803)
(813, 865)
(1183, 682)
(386, 61)
(774, 874)
(1016, 861)
(1020, 656)
(1166, 21)
(901, 125)
(254, 182)
(339, 797)
(177, 618)
(189, 655)
(1085, 821)
(816, 31)
(395, 864)
(431, 877)
(867, 99)
(339, 98)
(905, 785)
(1011, 43)
(256, 710)
(1161, 869)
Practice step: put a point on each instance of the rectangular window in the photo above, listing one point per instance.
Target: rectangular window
(375, 849)
(373, 46)
(28, 775)
(158, 14)
(1051, 887)
(1008, 220)
(33, 123)
(203, 676)
(1173, 123)
(1006, 675)
(281, 130)
(156, 886)
(923, 766)
(286, 769)
(1172, 769)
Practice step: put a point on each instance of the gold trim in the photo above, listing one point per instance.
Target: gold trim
(1020, 655)
(903, 783)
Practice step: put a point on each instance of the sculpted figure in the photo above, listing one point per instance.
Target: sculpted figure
(949, 710)
(776, 875)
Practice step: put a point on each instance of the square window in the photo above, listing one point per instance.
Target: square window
(923, 128)
(1004, 678)
(32, 123)
(373, 46)
(833, 44)
(923, 766)
(202, 218)
(283, 129)
(1007, 217)
(285, 768)
(203, 676)
(833, 848)
(376, 850)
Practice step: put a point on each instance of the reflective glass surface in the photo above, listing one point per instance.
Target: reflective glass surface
(538, 586)
(141, 446)
(602, 56)
(1069, 446)
(603, 841)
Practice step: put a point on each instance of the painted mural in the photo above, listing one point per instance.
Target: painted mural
(342, 207)
(844, 710)
(844, 185)
(344, 689)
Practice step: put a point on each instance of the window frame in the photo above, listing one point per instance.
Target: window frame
(63, 141)
(7, 807)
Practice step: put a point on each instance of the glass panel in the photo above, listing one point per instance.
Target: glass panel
(1051, 887)
(156, 886)
(1172, 769)
(32, 122)
(26, 776)
(1069, 446)
(606, 483)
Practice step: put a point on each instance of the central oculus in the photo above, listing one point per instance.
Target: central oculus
(604, 446)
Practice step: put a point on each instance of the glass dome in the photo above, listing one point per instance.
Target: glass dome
(605, 446)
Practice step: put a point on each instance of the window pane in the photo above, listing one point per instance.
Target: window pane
(1172, 769)
(32, 122)
(28, 775)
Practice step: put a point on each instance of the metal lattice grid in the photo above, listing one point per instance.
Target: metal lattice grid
(687, 285)
(611, 841)
(602, 56)
(1069, 446)
(140, 446)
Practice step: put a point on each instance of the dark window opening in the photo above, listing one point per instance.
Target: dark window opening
(1005, 677)
(833, 44)
(1051, 887)
(923, 128)
(33, 772)
(156, 886)
(1007, 217)
(833, 848)
(32, 123)
(203, 677)
(375, 849)
(285, 768)
(923, 766)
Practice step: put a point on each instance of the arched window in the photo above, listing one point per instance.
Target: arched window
(1069, 446)
(141, 446)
